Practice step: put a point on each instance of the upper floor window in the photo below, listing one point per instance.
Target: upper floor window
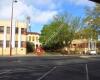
(23, 30)
(37, 39)
(1, 29)
(16, 30)
(29, 38)
(33, 38)
(8, 29)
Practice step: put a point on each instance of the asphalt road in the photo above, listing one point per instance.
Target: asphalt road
(50, 68)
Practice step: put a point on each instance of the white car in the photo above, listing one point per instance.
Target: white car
(92, 52)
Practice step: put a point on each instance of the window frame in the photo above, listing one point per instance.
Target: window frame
(1, 29)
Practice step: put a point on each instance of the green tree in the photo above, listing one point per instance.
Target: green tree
(92, 21)
(86, 33)
(93, 16)
(30, 47)
(60, 32)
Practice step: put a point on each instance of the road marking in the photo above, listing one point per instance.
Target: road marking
(4, 72)
(47, 73)
(87, 73)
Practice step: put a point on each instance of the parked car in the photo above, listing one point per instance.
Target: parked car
(92, 52)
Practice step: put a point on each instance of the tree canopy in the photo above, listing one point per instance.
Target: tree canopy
(92, 21)
(60, 32)
(93, 16)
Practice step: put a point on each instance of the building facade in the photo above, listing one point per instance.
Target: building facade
(34, 38)
(18, 41)
(84, 45)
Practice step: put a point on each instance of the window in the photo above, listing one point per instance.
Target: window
(1, 29)
(16, 43)
(1, 43)
(23, 44)
(33, 38)
(16, 30)
(37, 39)
(29, 38)
(8, 29)
(7, 43)
(23, 31)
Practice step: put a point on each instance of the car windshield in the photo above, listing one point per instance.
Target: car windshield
(49, 40)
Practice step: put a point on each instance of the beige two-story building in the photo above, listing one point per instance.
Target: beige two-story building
(34, 38)
(16, 46)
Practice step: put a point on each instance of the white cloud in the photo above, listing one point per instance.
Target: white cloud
(25, 8)
(5, 12)
(81, 2)
(50, 4)
(21, 10)
(43, 17)
(18, 10)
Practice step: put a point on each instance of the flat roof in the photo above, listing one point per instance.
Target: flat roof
(36, 33)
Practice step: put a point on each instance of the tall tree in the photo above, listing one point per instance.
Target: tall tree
(93, 16)
(86, 33)
(60, 32)
(92, 20)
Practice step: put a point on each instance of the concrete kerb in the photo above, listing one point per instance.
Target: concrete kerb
(32, 54)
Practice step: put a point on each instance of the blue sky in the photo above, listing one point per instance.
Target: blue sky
(42, 11)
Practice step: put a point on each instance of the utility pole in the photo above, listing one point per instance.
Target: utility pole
(11, 26)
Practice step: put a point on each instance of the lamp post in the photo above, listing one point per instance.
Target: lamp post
(11, 26)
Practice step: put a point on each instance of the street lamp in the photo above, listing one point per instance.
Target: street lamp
(13, 1)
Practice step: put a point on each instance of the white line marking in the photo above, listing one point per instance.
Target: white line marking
(87, 74)
(4, 72)
(47, 73)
